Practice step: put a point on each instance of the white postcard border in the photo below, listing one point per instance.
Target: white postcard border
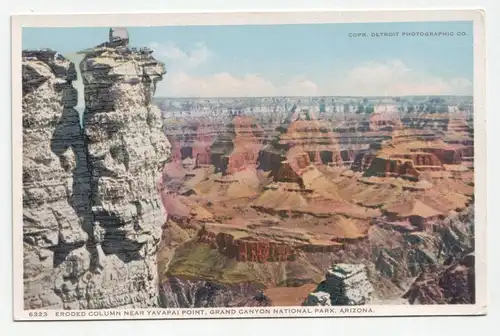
(254, 18)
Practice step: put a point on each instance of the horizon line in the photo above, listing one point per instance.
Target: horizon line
(315, 96)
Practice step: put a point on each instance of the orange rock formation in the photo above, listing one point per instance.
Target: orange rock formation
(316, 204)
(238, 146)
(247, 249)
(192, 141)
(315, 138)
(385, 117)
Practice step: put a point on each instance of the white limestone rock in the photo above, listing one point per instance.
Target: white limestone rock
(345, 284)
(92, 212)
(126, 148)
(55, 178)
(318, 299)
(349, 284)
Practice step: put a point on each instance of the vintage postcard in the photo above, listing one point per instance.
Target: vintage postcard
(231, 165)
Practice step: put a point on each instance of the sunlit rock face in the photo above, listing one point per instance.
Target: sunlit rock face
(92, 210)
(238, 145)
(126, 151)
(55, 181)
(191, 140)
(344, 284)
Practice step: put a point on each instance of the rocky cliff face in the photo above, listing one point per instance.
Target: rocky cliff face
(55, 183)
(180, 293)
(392, 167)
(92, 210)
(452, 283)
(315, 138)
(126, 150)
(191, 140)
(238, 146)
(345, 284)
(255, 250)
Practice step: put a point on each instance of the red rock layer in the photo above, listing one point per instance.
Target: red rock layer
(421, 161)
(202, 144)
(238, 145)
(311, 248)
(407, 165)
(448, 155)
(444, 152)
(239, 160)
(314, 138)
(408, 156)
(247, 144)
(193, 141)
(291, 169)
(244, 250)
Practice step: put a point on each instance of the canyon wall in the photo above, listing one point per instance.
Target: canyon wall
(382, 166)
(263, 250)
(92, 210)
(191, 140)
(344, 284)
(183, 293)
(237, 146)
(126, 151)
(55, 183)
(451, 283)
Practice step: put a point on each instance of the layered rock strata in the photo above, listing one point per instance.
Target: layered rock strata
(92, 209)
(55, 183)
(314, 138)
(191, 140)
(345, 284)
(180, 293)
(126, 151)
(460, 135)
(406, 156)
(252, 250)
(452, 283)
(385, 118)
(238, 146)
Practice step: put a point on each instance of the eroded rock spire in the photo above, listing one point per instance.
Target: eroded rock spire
(92, 213)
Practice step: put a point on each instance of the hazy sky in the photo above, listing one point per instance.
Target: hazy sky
(314, 59)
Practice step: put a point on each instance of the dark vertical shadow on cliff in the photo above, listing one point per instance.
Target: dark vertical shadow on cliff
(68, 134)
(100, 99)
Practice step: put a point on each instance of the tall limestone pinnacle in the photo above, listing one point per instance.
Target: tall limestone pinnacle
(92, 210)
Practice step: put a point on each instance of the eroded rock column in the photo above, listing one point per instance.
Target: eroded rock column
(55, 185)
(92, 214)
(126, 152)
